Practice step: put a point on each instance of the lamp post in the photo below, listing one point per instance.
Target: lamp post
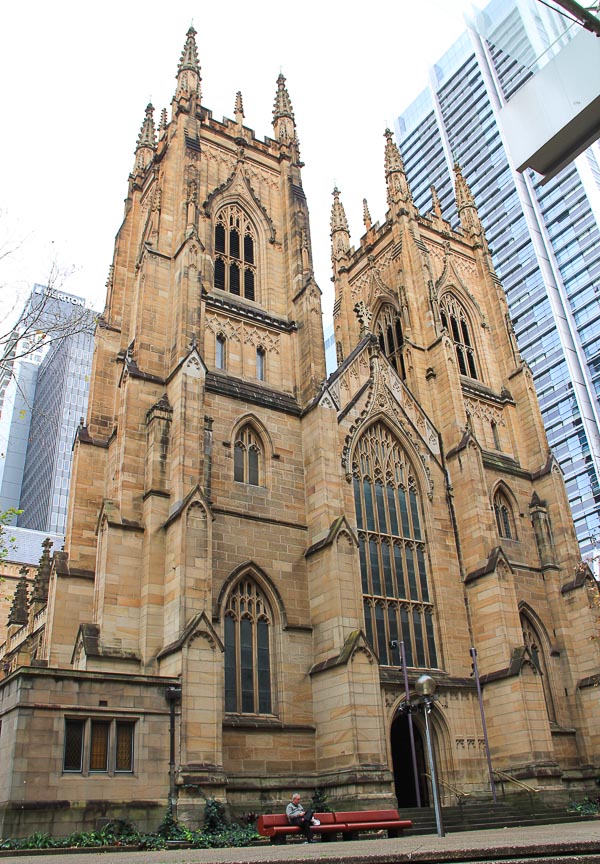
(426, 687)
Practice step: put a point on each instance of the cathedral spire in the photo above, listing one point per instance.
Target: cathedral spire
(465, 205)
(398, 191)
(284, 124)
(188, 71)
(340, 235)
(146, 142)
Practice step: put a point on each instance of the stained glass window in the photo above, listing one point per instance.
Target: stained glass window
(392, 550)
(248, 623)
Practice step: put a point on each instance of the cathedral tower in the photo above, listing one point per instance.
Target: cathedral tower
(249, 542)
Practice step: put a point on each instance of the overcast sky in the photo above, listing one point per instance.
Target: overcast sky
(76, 77)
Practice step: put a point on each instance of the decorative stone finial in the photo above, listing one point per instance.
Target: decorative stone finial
(395, 176)
(188, 71)
(146, 142)
(239, 108)
(366, 215)
(19, 609)
(365, 316)
(284, 124)
(340, 235)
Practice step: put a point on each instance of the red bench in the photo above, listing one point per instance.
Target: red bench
(347, 823)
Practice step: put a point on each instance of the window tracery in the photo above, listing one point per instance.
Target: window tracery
(535, 645)
(505, 520)
(392, 550)
(235, 252)
(248, 457)
(388, 329)
(455, 321)
(247, 631)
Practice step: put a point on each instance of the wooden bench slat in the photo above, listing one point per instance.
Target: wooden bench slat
(276, 825)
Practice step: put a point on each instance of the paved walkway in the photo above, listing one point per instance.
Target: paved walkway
(578, 837)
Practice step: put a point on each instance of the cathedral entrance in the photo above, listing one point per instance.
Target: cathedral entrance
(402, 763)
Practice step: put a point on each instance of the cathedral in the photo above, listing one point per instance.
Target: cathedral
(252, 547)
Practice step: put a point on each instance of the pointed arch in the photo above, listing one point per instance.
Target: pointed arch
(263, 580)
(235, 251)
(458, 324)
(387, 328)
(392, 547)
(537, 642)
(248, 609)
(505, 506)
(252, 449)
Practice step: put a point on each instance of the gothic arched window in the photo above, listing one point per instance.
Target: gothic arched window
(456, 323)
(505, 520)
(392, 550)
(388, 329)
(248, 457)
(235, 252)
(247, 629)
(533, 642)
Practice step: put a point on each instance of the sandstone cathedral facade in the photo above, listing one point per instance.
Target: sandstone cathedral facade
(247, 540)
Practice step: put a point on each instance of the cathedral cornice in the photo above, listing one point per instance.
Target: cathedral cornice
(224, 304)
(256, 394)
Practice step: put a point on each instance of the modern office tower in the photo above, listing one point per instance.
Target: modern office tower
(46, 380)
(60, 404)
(545, 239)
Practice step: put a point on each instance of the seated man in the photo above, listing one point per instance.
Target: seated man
(297, 815)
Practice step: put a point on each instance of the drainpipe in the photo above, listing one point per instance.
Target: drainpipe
(173, 697)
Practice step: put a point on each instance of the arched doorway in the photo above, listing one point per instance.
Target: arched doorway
(403, 766)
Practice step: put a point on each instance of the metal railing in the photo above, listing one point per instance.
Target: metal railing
(454, 790)
(531, 790)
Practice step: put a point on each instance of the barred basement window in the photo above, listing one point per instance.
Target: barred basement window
(456, 323)
(392, 550)
(388, 330)
(235, 242)
(248, 622)
(98, 746)
(247, 457)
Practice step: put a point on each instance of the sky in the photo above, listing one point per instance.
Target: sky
(75, 79)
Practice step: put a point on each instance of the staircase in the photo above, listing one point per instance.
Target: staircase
(477, 815)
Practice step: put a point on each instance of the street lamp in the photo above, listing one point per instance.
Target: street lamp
(426, 687)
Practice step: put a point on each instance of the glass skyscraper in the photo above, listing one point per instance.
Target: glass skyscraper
(43, 396)
(545, 239)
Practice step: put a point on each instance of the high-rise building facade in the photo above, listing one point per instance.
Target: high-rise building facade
(45, 375)
(544, 239)
(251, 540)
